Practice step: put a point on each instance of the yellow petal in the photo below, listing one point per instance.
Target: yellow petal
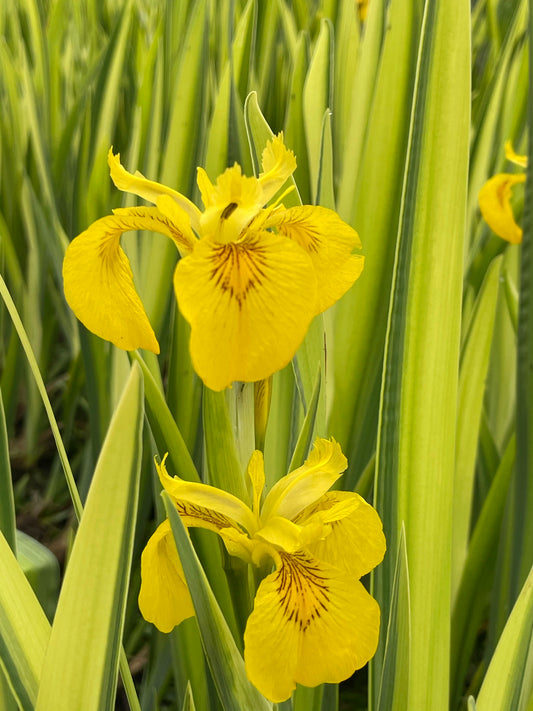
(278, 164)
(98, 281)
(355, 542)
(329, 241)
(164, 598)
(180, 221)
(514, 157)
(256, 474)
(205, 506)
(281, 533)
(308, 483)
(148, 189)
(495, 205)
(249, 306)
(230, 205)
(251, 550)
(311, 624)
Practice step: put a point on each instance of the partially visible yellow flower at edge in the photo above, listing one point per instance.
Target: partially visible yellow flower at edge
(313, 622)
(362, 7)
(249, 281)
(495, 199)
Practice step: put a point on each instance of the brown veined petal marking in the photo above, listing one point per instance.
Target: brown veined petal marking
(311, 624)
(249, 305)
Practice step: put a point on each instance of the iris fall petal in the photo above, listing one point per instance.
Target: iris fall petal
(164, 598)
(329, 242)
(495, 205)
(311, 624)
(98, 280)
(355, 542)
(249, 305)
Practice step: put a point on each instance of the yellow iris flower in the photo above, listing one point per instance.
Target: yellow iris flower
(250, 279)
(495, 199)
(313, 621)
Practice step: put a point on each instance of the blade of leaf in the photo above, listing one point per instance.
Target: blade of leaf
(317, 97)
(82, 659)
(166, 433)
(509, 674)
(368, 198)
(522, 524)
(7, 699)
(393, 690)
(7, 503)
(477, 578)
(188, 702)
(41, 568)
(305, 438)
(24, 630)
(15, 317)
(294, 132)
(473, 372)
(416, 440)
(226, 664)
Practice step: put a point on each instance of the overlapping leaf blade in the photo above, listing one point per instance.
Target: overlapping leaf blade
(24, 630)
(418, 409)
(82, 658)
(227, 666)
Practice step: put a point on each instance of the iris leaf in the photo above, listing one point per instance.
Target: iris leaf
(81, 664)
(226, 664)
(416, 440)
(24, 630)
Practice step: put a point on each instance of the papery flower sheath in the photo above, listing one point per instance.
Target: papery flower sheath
(495, 199)
(249, 281)
(313, 621)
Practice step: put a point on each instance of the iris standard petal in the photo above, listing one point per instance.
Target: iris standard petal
(281, 533)
(149, 190)
(356, 542)
(311, 624)
(230, 204)
(308, 483)
(249, 305)
(164, 598)
(251, 550)
(256, 474)
(98, 280)
(514, 157)
(205, 506)
(329, 241)
(495, 205)
(278, 163)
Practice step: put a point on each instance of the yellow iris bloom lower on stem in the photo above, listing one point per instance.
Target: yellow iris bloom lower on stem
(313, 621)
(495, 199)
(250, 279)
